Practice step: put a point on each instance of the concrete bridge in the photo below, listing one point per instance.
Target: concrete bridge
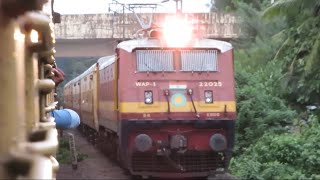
(97, 34)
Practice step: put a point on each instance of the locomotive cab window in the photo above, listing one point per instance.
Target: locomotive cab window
(154, 60)
(199, 60)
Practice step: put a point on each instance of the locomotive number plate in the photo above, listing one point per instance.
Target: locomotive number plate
(146, 115)
(210, 84)
(213, 114)
(139, 84)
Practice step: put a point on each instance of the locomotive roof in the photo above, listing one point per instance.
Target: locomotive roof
(147, 43)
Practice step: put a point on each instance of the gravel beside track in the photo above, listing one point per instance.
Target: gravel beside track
(95, 166)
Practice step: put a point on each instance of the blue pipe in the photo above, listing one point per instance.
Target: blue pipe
(66, 118)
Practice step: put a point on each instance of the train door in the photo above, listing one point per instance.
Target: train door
(87, 100)
(94, 80)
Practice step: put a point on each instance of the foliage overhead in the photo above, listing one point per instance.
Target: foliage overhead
(292, 8)
(300, 49)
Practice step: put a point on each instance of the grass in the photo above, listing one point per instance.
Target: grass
(64, 154)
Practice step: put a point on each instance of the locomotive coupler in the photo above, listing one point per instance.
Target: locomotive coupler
(164, 152)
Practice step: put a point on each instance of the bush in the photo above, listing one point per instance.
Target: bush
(259, 110)
(284, 156)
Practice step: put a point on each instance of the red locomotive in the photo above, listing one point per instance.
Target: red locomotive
(162, 107)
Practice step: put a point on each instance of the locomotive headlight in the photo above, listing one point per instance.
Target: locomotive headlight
(148, 97)
(218, 142)
(177, 31)
(208, 97)
(143, 142)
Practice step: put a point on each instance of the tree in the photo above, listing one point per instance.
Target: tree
(232, 5)
(300, 50)
(293, 8)
(278, 64)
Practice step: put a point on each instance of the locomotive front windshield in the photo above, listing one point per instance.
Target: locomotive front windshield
(189, 60)
(155, 60)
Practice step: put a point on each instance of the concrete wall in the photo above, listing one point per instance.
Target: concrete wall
(85, 47)
(95, 26)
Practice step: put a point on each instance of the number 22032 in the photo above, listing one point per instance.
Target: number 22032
(210, 84)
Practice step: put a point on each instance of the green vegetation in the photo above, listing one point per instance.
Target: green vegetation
(277, 75)
(291, 155)
(64, 154)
